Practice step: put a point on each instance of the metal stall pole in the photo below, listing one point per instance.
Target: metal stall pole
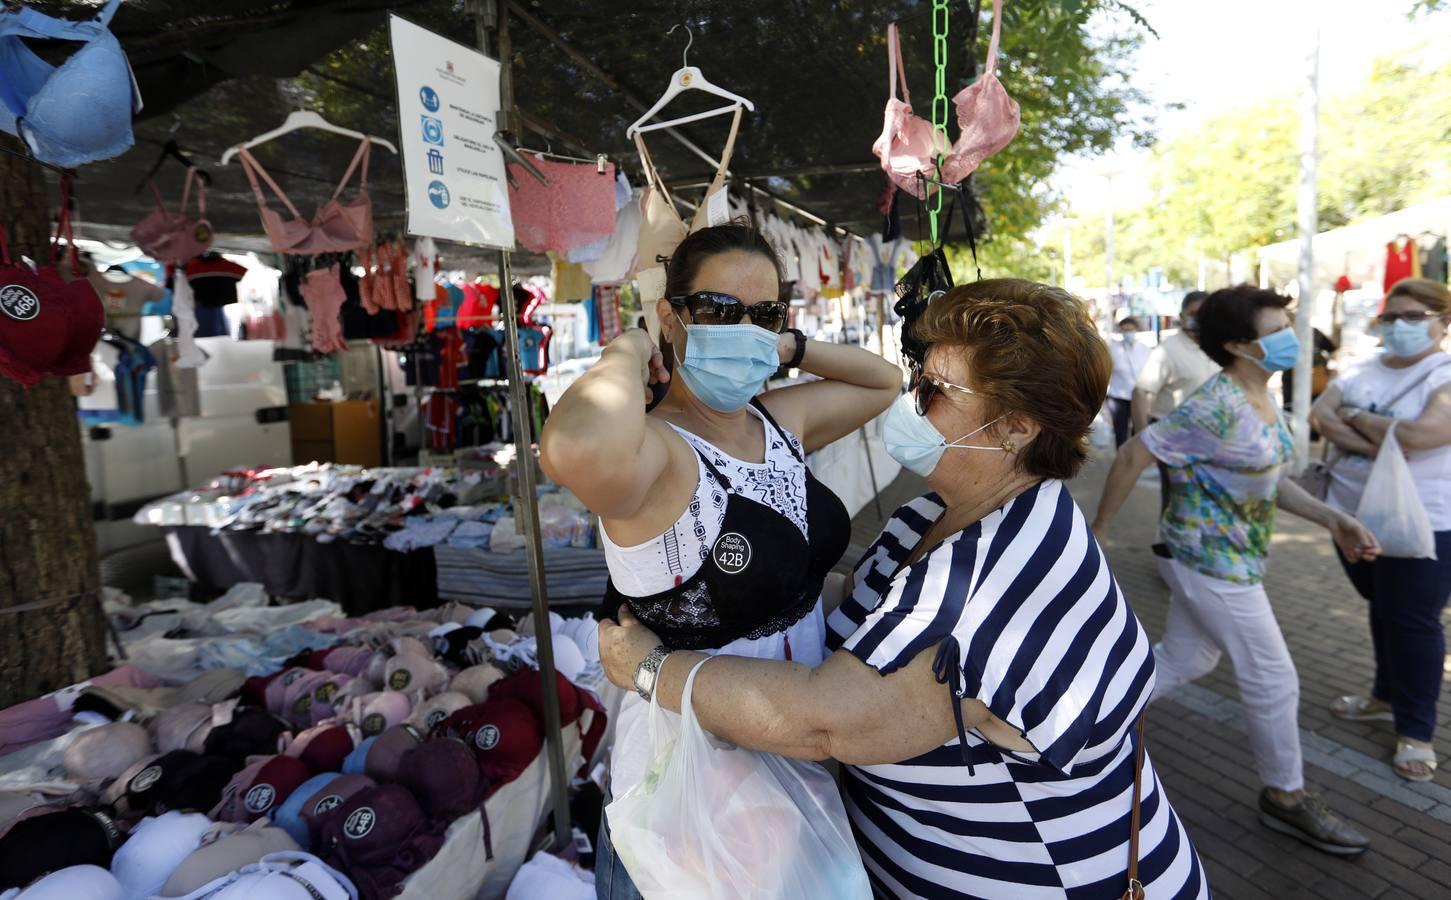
(526, 512)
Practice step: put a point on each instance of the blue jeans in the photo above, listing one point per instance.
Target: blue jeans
(1406, 599)
(612, 882)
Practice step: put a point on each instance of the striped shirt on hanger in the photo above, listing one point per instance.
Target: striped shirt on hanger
(1049, 644)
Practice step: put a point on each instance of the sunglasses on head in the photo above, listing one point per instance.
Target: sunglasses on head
(926, 387)
(711, 308)
(1393, 318)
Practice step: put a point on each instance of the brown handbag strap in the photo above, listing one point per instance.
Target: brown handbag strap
(1135, 889)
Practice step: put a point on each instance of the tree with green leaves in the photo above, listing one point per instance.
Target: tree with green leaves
(1230, 183)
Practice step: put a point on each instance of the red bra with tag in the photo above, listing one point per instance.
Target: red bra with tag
(48, 325)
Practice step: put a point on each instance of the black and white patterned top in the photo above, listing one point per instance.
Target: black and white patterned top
(779, 481)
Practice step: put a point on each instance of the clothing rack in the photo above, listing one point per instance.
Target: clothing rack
(598, 162)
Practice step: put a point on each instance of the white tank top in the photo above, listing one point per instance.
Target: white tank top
(663, 561)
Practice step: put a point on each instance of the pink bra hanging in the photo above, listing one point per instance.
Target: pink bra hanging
(987, 118)
(173, 236)
(908, 146)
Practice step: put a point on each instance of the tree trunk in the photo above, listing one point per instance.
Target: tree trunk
(47, 537)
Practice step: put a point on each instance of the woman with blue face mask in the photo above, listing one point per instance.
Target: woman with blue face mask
(1408, 384)
(987, 673)
(1227, 450)
(715, 532)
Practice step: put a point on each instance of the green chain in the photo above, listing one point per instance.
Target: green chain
(939, 106)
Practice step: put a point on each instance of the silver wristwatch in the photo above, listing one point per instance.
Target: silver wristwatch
(648, 671)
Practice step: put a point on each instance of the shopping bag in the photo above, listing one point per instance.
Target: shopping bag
(1392, 509)
(712, 821)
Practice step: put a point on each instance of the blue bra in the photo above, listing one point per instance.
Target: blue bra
(77, 113)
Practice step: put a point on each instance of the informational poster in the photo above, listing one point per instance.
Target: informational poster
(448, 97)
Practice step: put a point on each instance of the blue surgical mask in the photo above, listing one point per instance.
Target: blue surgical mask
(1281, 349)
(1189, 323)
(725, 365)
(1406, 339)
(915, 442)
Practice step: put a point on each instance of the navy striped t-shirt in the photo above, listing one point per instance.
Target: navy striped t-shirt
(1048, 643)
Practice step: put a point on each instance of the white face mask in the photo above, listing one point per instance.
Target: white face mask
(915, 442)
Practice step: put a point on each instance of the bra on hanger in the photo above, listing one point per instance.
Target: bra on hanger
(173, 236)
(987, 119)
(335, 227)
(661, 227)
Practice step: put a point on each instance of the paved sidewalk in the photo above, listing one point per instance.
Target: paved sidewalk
(1197, 738)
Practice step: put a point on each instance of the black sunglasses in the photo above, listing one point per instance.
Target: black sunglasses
(1392, 318)
(925, 388)
(710, 308)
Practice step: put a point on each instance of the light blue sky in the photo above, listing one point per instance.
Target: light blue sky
(1214, 56)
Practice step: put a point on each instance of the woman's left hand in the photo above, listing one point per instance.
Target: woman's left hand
(624, 646)
(1354, 539)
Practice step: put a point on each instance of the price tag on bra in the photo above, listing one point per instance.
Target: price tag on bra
(718, 208)
(732, 553)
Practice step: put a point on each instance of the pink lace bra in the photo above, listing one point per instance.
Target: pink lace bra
(577, 207)
(987, 119)
(334, 228)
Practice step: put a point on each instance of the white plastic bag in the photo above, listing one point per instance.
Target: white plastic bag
(1392, 509)
(711, 821)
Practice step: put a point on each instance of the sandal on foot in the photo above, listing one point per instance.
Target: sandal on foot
(1410, 753)
(1355, 708)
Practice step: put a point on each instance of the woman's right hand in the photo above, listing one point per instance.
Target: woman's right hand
(638, 343)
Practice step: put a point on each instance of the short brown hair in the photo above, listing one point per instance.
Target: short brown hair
(1229, 316)
(1431, 294)
(1034, 351)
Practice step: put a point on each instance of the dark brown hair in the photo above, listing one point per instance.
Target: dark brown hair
(1034, 350)
(698, 246)
(1229, 314)
(1431, 294)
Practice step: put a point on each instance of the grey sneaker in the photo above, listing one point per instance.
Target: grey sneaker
(1313, 822)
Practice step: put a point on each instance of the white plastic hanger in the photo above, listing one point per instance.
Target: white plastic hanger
(687, 78)
(299, 120)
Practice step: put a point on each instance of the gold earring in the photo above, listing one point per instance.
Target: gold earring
(1008, 445)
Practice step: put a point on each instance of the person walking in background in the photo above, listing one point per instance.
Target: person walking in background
(1174, 370)
(1409, 384)
(1129, 356)
(1226, 448)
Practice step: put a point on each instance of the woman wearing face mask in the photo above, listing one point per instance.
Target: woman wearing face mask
(1408, 384)
(1226, 448)
(714, 531)
(987, 672)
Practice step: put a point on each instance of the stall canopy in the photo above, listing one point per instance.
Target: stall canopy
(215, 72)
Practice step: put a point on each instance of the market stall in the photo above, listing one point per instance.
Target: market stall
(392, 285)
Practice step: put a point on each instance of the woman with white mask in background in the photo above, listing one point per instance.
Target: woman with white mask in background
(1409, 385)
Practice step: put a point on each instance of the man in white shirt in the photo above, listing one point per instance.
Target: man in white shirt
(1129, 357)
(1174, 370)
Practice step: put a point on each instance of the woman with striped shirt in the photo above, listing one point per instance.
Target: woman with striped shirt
(987, 672)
